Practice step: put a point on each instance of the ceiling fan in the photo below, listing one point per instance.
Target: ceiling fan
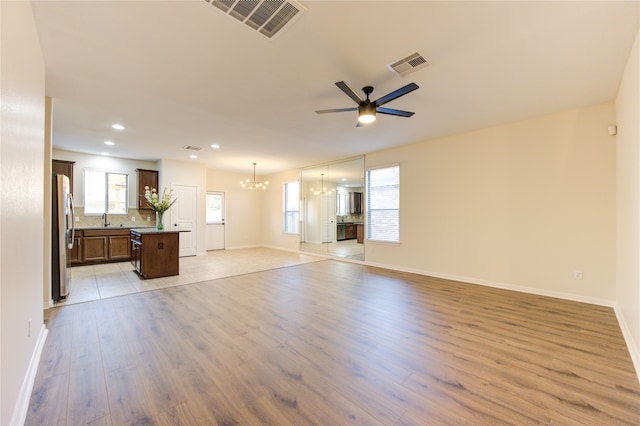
(366, 108)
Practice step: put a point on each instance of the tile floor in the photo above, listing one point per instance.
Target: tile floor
(93, 282)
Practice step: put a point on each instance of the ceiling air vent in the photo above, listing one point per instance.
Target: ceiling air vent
(192, 148)
(268, 17)
(409, 64)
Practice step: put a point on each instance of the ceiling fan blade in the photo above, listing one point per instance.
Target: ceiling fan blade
(349, 91)
(324, 111)
(397, 112)
(396, 94)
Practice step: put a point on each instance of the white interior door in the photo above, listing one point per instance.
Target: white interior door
(215, 220)
(328, 218)
(184, 217)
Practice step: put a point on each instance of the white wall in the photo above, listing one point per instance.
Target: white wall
(521, 205)
(189, 174)
(101, 162)
(22, 95)
(628, 204)
(243, 217)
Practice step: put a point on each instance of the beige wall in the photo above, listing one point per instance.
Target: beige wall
(22, 96)
(243, 209)
(628, 204)
(521, 205)
(189, 174)
(272, 212)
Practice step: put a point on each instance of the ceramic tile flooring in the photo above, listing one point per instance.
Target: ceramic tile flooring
(94, 282)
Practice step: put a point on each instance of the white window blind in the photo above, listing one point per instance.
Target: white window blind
(383, 204)
(291, 214)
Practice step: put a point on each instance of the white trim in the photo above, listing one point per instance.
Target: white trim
(22, 404)
(505, 286)
(243, 247)
(628, 338)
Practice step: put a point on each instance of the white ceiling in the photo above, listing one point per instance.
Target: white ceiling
(183, 73)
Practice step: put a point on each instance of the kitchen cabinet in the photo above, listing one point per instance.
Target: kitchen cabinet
(62, 167)
(74, 255)
(146, 178)
(154, 253)
(355, 203)
(360, 233)
(104, 245)
(349, 231)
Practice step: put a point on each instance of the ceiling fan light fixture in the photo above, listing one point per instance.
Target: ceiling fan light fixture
(367, 113)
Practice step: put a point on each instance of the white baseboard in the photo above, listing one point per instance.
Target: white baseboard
(22, 404)
(504, 286)
(631, 344)
(243, 247)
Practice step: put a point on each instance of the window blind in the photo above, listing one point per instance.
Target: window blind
(383, 204)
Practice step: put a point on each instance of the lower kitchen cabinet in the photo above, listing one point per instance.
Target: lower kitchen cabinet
(74, 254)
(154, 254)
(360, 233)
(101, 245)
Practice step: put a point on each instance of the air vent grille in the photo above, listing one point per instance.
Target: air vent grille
(409, 64)
(192, 148)
(268, 17)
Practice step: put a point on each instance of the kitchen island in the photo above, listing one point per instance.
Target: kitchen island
(154, 253)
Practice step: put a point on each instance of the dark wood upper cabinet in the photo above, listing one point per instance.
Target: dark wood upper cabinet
(62, 167)
(355, 202)
(145, 178)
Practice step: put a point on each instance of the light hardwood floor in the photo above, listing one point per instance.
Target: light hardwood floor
(333, 343)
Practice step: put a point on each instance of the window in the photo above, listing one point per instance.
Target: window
(105, 192)
(214, 207)
(383, 204)
(291, 205)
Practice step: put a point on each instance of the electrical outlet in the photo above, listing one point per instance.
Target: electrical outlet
(148, 218)
(77, 218)
(133, 218)
(577, 275)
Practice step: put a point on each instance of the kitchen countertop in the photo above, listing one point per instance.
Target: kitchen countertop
(153, 230)
(109, 228)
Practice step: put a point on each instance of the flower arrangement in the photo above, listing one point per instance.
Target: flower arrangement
(159, 205)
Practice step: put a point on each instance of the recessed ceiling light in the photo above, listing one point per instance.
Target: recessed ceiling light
(215, 146)
(109, 143)
(104, 153)
(344, 179)
(118, 126)
(193, 156)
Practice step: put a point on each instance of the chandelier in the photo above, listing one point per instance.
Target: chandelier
(322, 190)
(253, 184)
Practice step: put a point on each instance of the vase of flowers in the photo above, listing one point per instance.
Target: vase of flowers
(157, 204)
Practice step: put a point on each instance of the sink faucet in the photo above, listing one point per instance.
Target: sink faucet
(104, 216)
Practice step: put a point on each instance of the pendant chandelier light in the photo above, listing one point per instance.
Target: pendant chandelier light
(322, 190)
(253, 184)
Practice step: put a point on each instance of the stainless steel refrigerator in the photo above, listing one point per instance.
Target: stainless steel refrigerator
(63, 234)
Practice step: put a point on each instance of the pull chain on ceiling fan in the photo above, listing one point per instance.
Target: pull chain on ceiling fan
(366, 108)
